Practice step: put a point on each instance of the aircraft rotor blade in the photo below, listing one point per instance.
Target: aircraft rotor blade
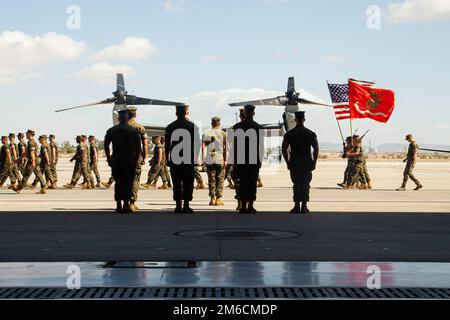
(277, 101)
(291, 84)
(133, 100)
(106, 101)
(306, 101)
(120, 82)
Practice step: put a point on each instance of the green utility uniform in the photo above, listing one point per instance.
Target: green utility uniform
(45, 165)
(215, 138)
(32, 149)
(55, 157)
(22, 148)
(6, 164)
(93, 154)
(157, 170)
(81, 167)
(137, 179)
(408, 172)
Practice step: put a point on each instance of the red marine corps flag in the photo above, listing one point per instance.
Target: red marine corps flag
(368, 102)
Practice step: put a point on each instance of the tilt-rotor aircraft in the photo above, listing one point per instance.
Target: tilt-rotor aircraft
(290, 101)
(121, 98)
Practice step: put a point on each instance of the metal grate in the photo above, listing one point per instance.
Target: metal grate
(224, 293)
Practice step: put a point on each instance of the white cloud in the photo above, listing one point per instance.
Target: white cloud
(103, 72)
(174, 5)
(208, 59)
(22, 55)
(419, 10)
(131, 48)
(333, 58)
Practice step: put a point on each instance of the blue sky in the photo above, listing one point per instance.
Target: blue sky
(212, 52)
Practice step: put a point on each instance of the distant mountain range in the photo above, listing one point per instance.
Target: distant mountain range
(385, 147)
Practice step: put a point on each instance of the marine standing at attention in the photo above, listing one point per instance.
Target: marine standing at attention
(126, 157)
(182, 160)
(300, 140)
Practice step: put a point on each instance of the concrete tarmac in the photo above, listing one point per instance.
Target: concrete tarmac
(346, 225)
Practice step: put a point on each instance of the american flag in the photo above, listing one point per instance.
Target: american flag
(339, 99)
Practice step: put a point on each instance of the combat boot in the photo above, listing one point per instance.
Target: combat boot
(12, 186)
(213, 201)
(296, 208)
(418, 187)
(52, 186)
(33, 185)
(200, 186)
(251, 208)
(178, 208)
(400, 189)
(106, 185)
(187, 208)
(69, 186)
(42, 191)
(239, 206)
(47, 183)
(133, 207)
(86, 187)
(260, 184)
(163, 187)
(342, 185)
(369, 185)
(219, 202)
(364, 186)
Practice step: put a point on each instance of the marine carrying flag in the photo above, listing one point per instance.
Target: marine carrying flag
(339, 99)
(369, 102)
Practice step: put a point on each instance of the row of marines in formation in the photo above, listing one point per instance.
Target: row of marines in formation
(129, 143)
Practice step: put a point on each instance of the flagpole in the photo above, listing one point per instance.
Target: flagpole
(339, 125)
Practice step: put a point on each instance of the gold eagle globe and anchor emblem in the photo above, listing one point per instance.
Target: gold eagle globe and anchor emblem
(374, 100)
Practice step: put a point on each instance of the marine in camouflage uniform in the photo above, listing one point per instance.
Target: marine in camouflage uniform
(144, 141)
(357, 156)
(22, 148)
(55, 157)
(46, 160)
(81, 167)
(347, 173)
(33, 165)
(6, 162)
(156, 166)
(300, 140)
(198, 178)
(214, 155)
(14, 174)
(411, 159)
(93, 153)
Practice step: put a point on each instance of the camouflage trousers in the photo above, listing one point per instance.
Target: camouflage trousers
(357, 174)
(228, 177)
(54, 171)
(136, 182)
(216, 175)
(94, 169)
(348, 172)
(80, 169)
(21, 167)
(47, 174)
(366, 172)
(197, 175)
(408, 174)
(12, 173)
(155, 172)
(30, 169)
(6, 171)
